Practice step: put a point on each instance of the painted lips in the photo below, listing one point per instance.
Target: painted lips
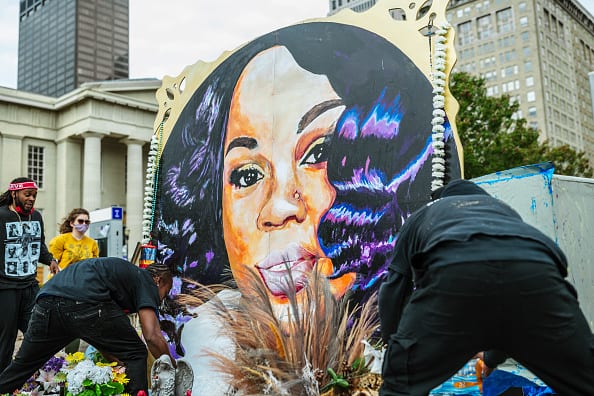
(280, 267)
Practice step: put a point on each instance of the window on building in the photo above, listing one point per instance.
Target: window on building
(532, 111)
(484, 27)
(529, 81)
(522, 7)
(526, 52)
(531, 96)
(505, 21)
(525, 36)
(527, 66)
(524, 21)
(465, 33)
(35, 162)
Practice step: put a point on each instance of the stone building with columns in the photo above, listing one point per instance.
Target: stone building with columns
(87, 148)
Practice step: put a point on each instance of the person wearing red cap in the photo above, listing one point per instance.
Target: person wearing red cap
(22, 247)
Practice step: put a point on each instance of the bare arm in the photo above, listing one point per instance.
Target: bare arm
(151, 331)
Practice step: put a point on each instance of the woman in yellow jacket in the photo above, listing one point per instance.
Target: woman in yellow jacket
(73, 245)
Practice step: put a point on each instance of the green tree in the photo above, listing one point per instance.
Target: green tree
(494, 139)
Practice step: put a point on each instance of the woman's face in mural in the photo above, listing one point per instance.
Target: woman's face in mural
(275, 186)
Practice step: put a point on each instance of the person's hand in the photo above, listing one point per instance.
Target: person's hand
(481, 367)
(54, 267)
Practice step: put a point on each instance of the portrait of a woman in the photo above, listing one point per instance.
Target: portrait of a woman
(304, 150)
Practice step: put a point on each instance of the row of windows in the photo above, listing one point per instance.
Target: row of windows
(489, 47)
(50, 88)
(552, 24)
(466, 11)
(485, 28)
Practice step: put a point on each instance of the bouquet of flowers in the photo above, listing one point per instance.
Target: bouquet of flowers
(96, 377)
(47, 380)
(77, 376)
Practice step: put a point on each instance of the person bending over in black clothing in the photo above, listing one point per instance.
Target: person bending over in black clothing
(90, 300)
(468, 275)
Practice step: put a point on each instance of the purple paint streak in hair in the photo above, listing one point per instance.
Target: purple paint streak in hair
(209, 256)
(193, 238)
(371, 180)
(179, 194)
(384, 120)
(187, 226)
(410, 172)
(349, 127)
(210, 104)
(346, 214)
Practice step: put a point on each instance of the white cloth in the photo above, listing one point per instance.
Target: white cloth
(202, 334)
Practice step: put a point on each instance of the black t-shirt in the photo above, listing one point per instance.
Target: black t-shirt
(468, 228)
(22, 247)
(105, 279)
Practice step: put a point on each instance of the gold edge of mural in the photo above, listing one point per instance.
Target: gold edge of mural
(176, 91)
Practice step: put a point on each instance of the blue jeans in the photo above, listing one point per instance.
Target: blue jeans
(56, 321)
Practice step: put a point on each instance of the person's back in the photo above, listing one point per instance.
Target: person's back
(90, 300)
(104, 279)
(468, 275)
(466, 213)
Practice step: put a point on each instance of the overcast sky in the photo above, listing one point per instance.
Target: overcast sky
(167, 35)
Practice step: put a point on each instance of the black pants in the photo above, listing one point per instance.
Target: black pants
(16, 311)
(57, 321)
(525, 309)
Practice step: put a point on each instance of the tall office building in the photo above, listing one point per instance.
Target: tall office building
(64, 43)
(537, 51)
(540, 53)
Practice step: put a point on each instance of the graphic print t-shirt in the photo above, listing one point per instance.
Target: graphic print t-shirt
(22, 247)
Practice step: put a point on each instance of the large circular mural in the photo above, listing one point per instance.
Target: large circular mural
(304, 149)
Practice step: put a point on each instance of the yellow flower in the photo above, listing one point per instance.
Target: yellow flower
(75, 357)
(121, 378)
(101, 364)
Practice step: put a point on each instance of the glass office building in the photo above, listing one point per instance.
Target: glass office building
(64, 43)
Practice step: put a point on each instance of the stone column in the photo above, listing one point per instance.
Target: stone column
(92, 171)
(134, 193)
(68, 169)
(13, 163)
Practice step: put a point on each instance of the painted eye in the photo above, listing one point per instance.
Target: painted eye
(317, 153)
(246, 176)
